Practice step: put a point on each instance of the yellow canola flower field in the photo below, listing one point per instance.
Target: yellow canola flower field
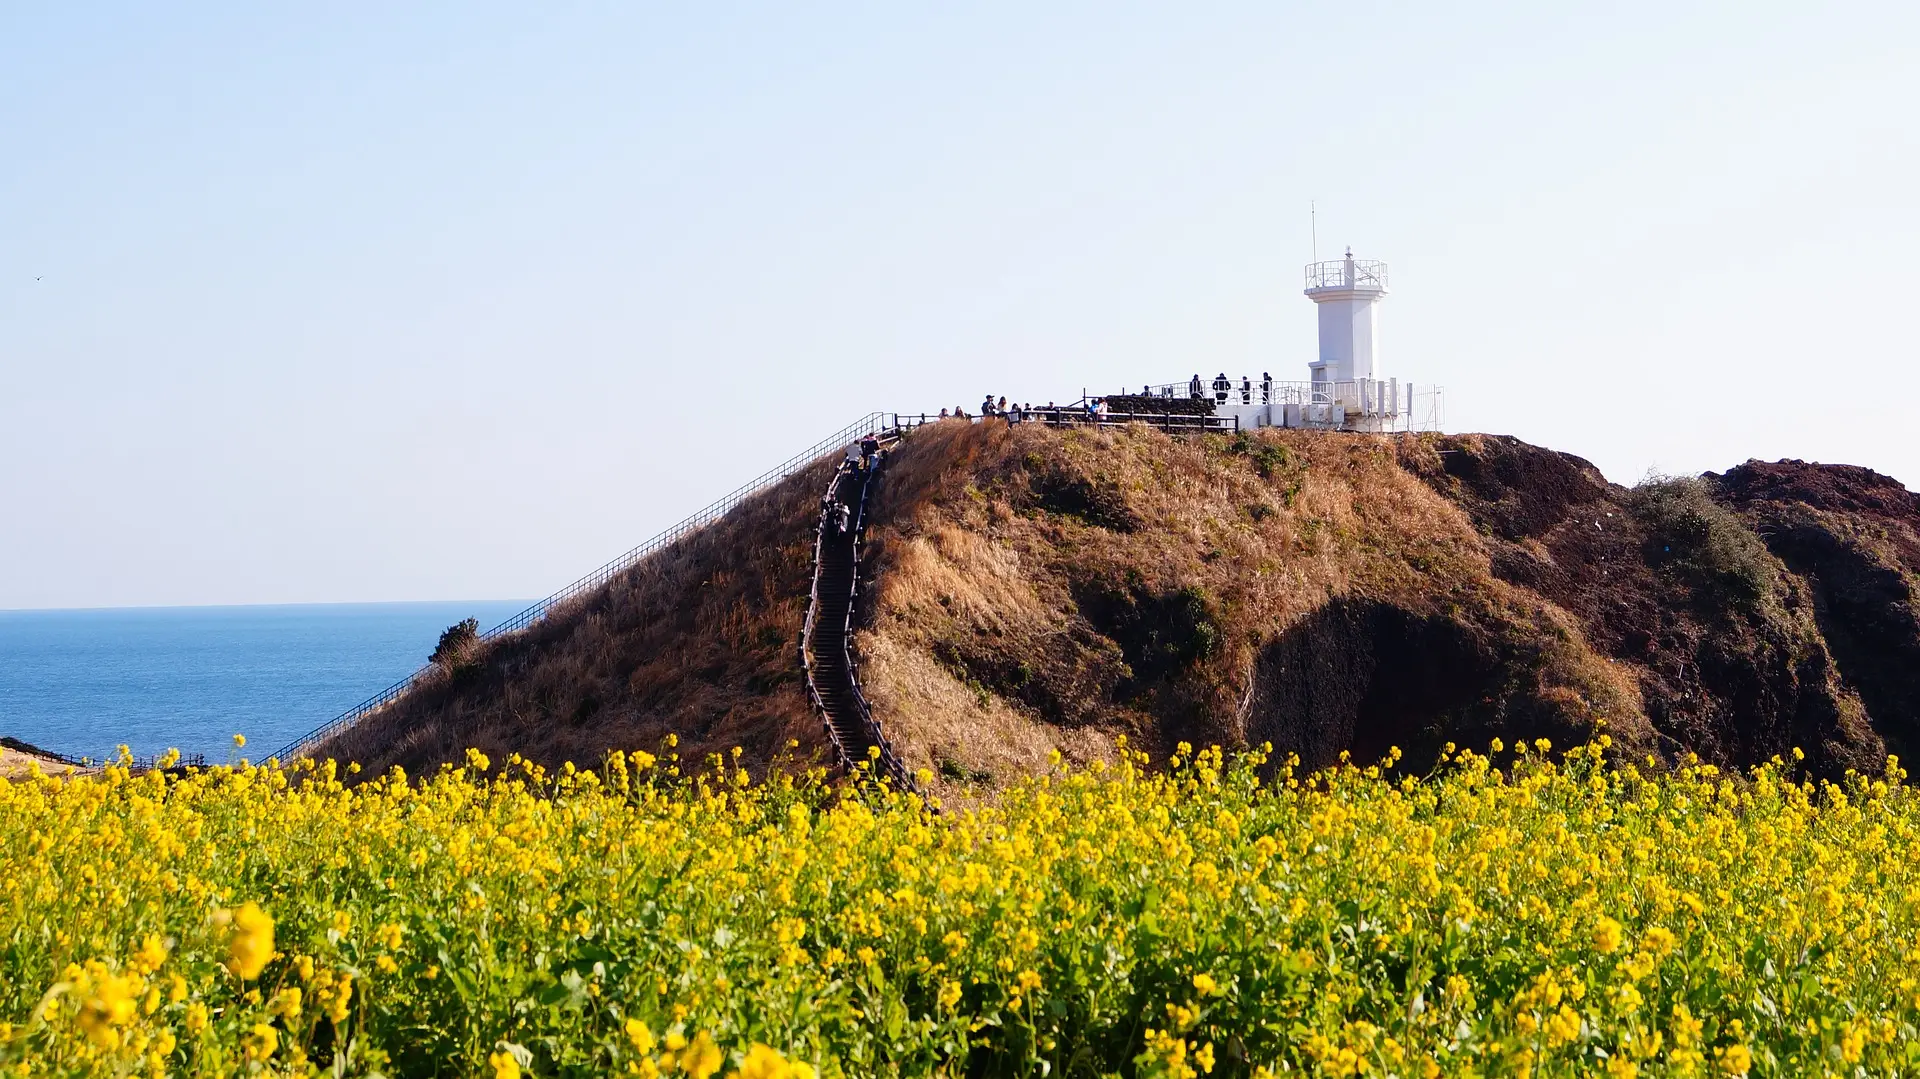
(1511, 915)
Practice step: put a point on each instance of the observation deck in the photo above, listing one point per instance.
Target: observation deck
(1347, 275)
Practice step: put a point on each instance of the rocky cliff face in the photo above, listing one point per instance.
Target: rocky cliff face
(1043, 589)
(1676, 582)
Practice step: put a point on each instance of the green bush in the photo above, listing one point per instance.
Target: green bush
(457, 644)
(1702, 544)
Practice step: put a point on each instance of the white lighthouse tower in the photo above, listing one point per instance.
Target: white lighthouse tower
(1346, 293)
(1347, 390)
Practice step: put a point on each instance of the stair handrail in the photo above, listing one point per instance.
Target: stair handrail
(890, 763)
(806, 634)
(868, 423)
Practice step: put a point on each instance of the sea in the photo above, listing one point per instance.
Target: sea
(83, 682)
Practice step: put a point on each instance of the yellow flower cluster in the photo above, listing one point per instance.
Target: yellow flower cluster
(1522, 915)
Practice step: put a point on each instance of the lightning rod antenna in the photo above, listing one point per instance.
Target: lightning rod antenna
(1313, 223)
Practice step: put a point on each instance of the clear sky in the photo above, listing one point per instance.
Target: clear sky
(416, 301)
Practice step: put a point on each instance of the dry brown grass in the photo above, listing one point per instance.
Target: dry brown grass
(15, 764)
(700, 641)
(980, 658)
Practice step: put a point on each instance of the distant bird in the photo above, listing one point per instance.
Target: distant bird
(39, 279)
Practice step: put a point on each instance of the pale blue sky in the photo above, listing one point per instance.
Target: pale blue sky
(415, 301)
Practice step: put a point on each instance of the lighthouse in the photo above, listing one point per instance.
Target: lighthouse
(1347, 293)
(1346, 390)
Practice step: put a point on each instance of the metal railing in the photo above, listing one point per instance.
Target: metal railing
(133, 764)
(1076, 416)
(31, 750)
(1408, 407)
(1263, 391)
(871, 422)
(1347, 273)
(890, 762)
(1166, 421)
(841, 754)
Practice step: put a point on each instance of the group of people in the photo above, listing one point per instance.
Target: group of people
(862, 455)
(1094, 409)
(838, 514)
(1223, 389)
(992, 406)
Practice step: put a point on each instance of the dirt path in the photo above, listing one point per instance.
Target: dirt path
(14, 764)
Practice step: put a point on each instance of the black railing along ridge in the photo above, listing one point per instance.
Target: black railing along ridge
(871, 422)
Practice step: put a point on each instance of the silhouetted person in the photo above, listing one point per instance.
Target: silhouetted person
(1221, 385)
(869, 449)
(1246, 390)
(1266, 388)
(1193, 388)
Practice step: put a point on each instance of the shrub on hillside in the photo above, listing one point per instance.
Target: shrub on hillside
(1098, 502)
(457, 645)
(1161, 634)
(1703, 544)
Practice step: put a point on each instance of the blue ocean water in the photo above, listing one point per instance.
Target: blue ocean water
(190, 678)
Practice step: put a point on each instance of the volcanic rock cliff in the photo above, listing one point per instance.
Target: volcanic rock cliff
(1044, 589)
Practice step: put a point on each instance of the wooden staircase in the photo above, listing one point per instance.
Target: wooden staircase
(826, 655)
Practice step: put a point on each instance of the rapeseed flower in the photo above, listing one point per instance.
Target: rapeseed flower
(1539, 918)
(250, 943)
(1606, 935)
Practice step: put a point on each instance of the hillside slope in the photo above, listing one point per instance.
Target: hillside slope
(1043, 589)
(700, 640)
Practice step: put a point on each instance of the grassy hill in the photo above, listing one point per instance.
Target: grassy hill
(1043, 589)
